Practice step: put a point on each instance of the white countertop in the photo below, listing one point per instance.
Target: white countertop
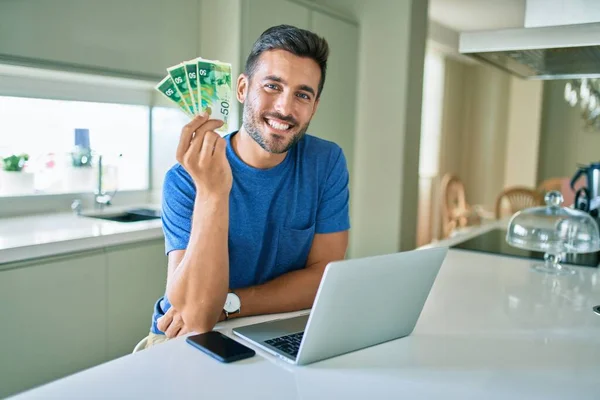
(491, 329)
(35, 236)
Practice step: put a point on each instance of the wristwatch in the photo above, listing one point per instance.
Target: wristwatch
(233, 305)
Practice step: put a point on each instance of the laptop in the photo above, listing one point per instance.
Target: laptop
(360, 303)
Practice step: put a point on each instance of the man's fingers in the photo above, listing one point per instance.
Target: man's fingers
(210, 141)
(174, 328)
(220, 147)
(210, 125)
(184, 331)
(163, 322)
(193, 153)
(195, 147)
(187, 133)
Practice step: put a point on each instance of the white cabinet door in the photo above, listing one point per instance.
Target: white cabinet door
(137, 276)
(259, 15)
(140, 36)
(53, 319)
(335, 117)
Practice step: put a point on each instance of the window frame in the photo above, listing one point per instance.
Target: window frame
(28, 82)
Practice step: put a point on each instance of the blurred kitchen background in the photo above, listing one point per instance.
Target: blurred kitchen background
(433, 138)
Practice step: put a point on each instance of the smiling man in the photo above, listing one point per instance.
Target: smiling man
(252, 219)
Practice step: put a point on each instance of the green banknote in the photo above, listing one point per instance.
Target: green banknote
(215, 90)
(191, 69)
(205, 87)
(168, 89)
(179, 75)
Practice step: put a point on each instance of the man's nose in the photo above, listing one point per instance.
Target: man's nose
(284, 104)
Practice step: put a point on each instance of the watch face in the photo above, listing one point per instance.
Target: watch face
(232, 303)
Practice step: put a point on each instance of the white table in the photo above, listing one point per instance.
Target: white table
(491, 329)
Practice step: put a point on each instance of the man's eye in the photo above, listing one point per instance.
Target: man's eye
(303, 96)
(272, 86)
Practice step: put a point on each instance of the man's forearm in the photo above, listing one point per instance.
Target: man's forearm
(198, 287)
(275, 296)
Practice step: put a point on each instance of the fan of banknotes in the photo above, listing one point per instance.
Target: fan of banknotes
(198, 86)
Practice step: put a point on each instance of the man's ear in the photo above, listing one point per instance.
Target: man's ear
(243, 82)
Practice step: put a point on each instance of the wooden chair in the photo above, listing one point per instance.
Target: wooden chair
(456, 212)
(515, 199)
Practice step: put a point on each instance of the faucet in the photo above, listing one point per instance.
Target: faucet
(76, 206)
(101, 198)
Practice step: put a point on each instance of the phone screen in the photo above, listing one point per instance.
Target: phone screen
(220, 346)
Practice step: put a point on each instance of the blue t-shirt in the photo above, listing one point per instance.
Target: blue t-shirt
(273, 213)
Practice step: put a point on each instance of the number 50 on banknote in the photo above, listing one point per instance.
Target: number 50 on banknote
(198, 86)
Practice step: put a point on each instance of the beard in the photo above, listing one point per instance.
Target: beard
(276, 144)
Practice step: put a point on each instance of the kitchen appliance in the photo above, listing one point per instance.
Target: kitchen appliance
(554, 230)
(494, 242)
(587, 198)
(560, 40)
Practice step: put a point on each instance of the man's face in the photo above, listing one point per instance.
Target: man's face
(280, 99)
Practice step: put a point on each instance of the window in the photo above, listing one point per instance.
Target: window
(45, 113)
(48, 130)
(43, 116)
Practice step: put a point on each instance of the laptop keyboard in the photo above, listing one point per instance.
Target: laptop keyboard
(289, 344)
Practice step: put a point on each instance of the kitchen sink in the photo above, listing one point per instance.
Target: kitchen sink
(132, 215)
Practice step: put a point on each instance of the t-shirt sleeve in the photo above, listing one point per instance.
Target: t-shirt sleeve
(177, 209)
(333, 214)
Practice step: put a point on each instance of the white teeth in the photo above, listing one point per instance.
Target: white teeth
(277, 125)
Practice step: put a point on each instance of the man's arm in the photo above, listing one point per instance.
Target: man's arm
(199, 278)
(294, 290)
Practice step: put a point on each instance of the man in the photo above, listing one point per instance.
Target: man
(252, 219)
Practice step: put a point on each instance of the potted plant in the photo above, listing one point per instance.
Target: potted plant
(15, 163)
(14, 179)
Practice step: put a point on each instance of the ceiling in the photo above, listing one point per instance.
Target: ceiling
(469, 15)
(459, 15)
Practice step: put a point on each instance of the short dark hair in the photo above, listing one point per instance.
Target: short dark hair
(299, 42)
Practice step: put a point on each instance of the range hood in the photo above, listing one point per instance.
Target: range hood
(560, 40)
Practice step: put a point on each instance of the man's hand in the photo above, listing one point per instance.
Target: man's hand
(202, 152)
(172, 324)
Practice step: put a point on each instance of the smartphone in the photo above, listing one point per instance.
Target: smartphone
(219, 346)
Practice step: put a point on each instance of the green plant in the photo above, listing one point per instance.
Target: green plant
(15, 163)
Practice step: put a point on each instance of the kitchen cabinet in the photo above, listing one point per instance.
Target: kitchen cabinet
(137, 276)
(53, 319)
(138, 36)
(63, 314)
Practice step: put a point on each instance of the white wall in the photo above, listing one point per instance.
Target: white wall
(388, 125)
(485, 148)
(564, 142)
(523, 134)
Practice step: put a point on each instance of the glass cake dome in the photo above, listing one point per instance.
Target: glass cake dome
(554, 230)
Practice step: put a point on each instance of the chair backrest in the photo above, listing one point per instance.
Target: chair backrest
(454, 203)
(515, 199)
